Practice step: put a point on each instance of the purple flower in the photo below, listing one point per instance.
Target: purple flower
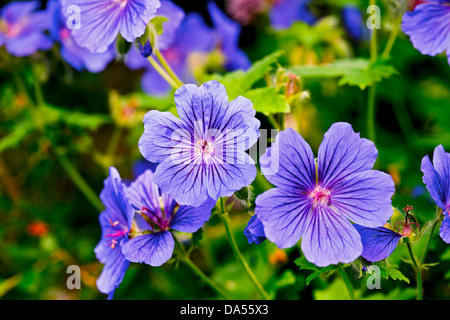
(102, 20)
(227, 34)
(255, 230)
(316, 202)
(202, 154)
(78, 57)
(22, 28)
(115, 222)
(428, 26)
(353, 23)
(436, 177)
(153, 242)
(285, 12)
(378, 243)
(193, 36)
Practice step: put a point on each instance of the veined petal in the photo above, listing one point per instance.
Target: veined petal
(113, 273)
(118, 206)
(441, 162)
(229, 174)
(164, 136)
(190, 219)
(343, 153)
(284, 214)
(135, 16)
(152, 249)
(365, 198)
(185, 181)
(289, 162)
(428, 27)
(143, 192)
(437, 185)
(378, 243)
(444, 231)
(330, 238)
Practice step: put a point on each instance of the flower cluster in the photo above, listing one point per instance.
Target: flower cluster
(137, 226)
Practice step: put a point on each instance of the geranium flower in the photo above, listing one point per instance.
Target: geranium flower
(101, 21)
(255, 231)
(436, 177)
(116, 224)
(191, 36)
(153, 242)
(428, 26)
(202, 154)
(78, 57)
(22, 28)
(353, 22)
(316, 202)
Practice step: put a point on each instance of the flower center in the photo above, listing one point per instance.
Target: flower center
(204, 147)
(115, 235)
(154, 220)
(321, 196)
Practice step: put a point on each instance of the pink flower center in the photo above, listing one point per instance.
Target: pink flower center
(321, 196)
(204, 147)
(115, 234)
(64, 33)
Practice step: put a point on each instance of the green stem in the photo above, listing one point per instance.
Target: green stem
(347, 282)
(162, 72)
(274, 122)
(184, 257)
(392, 38)
(371, 132)
(79, 181)
(168, 69)
(433, 227)
(239, 255)
(418, 270)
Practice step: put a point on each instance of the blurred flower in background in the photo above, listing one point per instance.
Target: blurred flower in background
(22, 28)
(354, 23)
(78, 57)
(285, 12)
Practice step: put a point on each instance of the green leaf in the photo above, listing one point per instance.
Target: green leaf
(354, 72)
(74, 118)
(304, 264)
(268, 101)
(238, 82)
(396, 274)
(157, 23)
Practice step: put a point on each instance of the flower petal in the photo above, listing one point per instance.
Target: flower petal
(113, 273)
(330, 238)
(428, 27)
(437, 184)
(152, 249)
(118, 206)
(378, 243)
(444, 231)
(185, 180)
(164, 135)
(365, 198)
(343, 153)
(190, 219)
(289, 162)
(284, 214)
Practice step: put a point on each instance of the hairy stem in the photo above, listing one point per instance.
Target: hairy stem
(239, 255)
(347, 282)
